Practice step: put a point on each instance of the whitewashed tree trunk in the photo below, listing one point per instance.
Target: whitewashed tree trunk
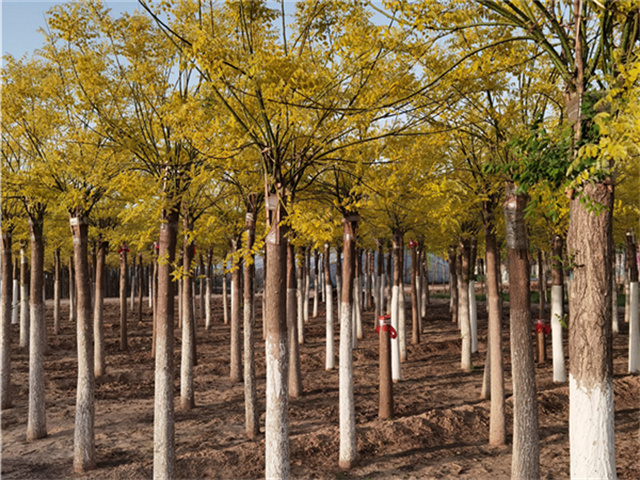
(557, 313)
(225, 296)
(316, 284)
(348, 445)
(24, 300)
(300, 304)
(99, 366)
(72, 293)
(15, 305)
(36, 421)
(465, 326)
(402, 320)
(307, 284)
(591, 409)
(56, 292)
(5, 314)
(358, 303)
(395, 344)
(330, 361)
(84, 449)
(473, 316)
(419, 299)
(615, 324)
(634, 329)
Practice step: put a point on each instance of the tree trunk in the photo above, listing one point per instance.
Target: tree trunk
(140, 286)
(15, 304)
(396, 373)
(473, 306)
(402, 306)
(425, 282)
(591, 418)
(207, 300)
(525, 462)
(615, 324)
(379, 287)
(225, 296)
(385, 407)
(389, 282)
(557, 312)
(415, 304)
(453, 284)
(5, 305)
(497, 429)
(154, 335)
(72, 292)
(339, 281)
(316, 282)
(540, 285)
(295, 374)
(300, 296)
(357, 298)
(36, 423)
(348, 447)
(307, 275)
(24, 299)
(201, 284)
(187, 397)
(164, 448)
(634, 325)
(419, 280)
(330, 360)
(235, 367)
(56, 292)
(123, 298)
(277, 360)
(463, 303)
(84, 449)
(99, 366)
(252, 418)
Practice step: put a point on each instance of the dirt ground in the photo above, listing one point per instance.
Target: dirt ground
(440, 429)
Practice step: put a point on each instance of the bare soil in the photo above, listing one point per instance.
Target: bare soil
(440, 429)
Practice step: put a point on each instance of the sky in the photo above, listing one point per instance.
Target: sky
(21, 21)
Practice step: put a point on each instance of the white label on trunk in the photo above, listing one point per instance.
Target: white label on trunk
(73, 221)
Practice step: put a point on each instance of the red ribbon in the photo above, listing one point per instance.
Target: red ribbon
(542, 327)
(123, 248)
(385, 326)
(412, 244)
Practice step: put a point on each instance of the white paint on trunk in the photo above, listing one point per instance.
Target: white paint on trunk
(348, 448)
(473, 316)
(634, 329)
(15, 306)
(277, 411)
(557, 312)
(225, 300)
(316, 292)
(358, 304)
(207, 305)
(36, 420)
(402, 323)
(307, 281)
(300, 296)
(150, 291)
(615, 324)
(24, 303)
(330, 362)
(627, 305)
(591, 430)
(396, 375)
(419, 299)
(465, 325)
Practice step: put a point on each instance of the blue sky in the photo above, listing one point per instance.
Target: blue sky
(21, 21)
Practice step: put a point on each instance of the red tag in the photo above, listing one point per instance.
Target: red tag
(385, 326)
(123, 248)
(412, 244)
(542, 327)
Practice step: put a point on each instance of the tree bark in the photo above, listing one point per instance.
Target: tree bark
(24, 299)
(72, 292)
(123, 299)
(164, 448)
(316, 282)
(300, 295)
(295, 375)
(36, 423)
(591, 415)
(463, 303)
(140, 287)
(348, 447)
(154, 335)
(99, 366)
(415, 304)
(357, 299)
(385, 406)
(252, 418)
(473, 306)
(187, 396)
(306, 283)
(56, 291)
(330, 360)
(84, 449)
(525, 462)
(453, 284)
(277, 360)
(225, 296)
(207, 300)
(379, 284)
(402, 307)
(5, 305)
(396, 373)
(497, 428)
(235, 367)
(557, 312)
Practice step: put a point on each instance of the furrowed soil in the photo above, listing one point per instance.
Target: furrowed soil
(440, 429)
